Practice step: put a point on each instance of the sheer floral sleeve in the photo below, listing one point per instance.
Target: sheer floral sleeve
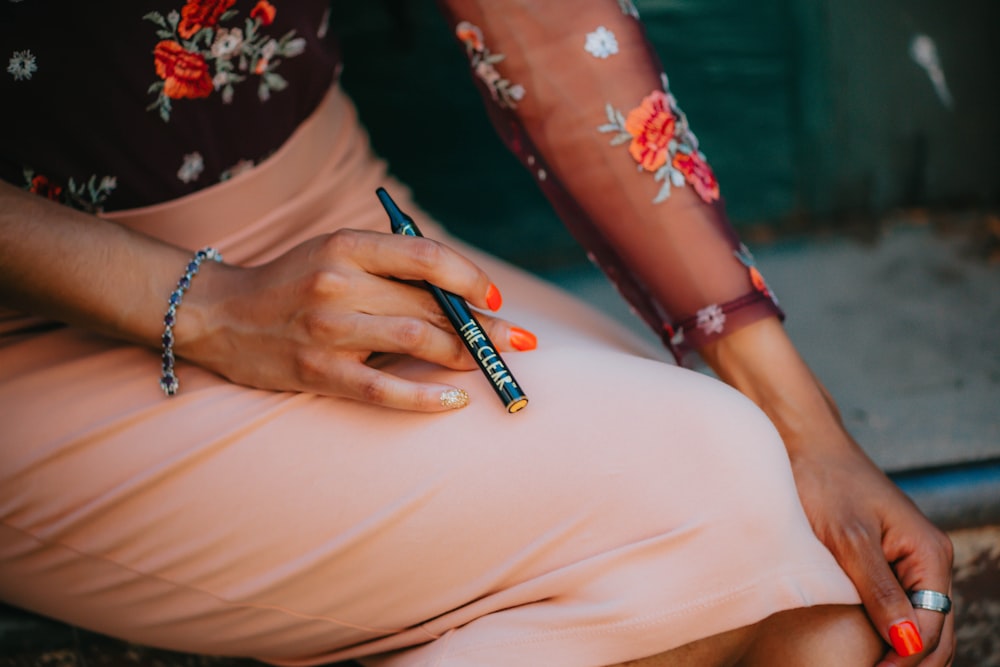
(578, 95)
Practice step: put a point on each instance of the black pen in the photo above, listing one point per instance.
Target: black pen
(465, 323)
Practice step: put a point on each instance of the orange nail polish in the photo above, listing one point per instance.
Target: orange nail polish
(522, 340)
(493, 298)
(906, 639)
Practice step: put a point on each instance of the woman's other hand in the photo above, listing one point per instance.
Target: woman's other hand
(886, 546)
(312, 318)
(879, 537)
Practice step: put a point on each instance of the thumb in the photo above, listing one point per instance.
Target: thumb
(883, 597)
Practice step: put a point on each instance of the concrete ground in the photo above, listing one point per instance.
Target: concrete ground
(903, 327)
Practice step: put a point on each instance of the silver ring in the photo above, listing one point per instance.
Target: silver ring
(931, 600)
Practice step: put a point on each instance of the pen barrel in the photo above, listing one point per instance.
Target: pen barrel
(481, 348)
(464, 322)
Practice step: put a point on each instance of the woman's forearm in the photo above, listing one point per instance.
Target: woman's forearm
(761, 361)
(80, 269)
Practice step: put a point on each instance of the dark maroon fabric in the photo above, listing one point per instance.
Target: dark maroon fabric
(155, 99)
(84, 111)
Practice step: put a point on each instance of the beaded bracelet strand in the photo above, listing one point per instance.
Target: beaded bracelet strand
(168, 381)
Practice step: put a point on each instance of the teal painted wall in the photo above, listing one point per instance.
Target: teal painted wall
(810, 111)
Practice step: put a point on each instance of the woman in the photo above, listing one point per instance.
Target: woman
(291, 498)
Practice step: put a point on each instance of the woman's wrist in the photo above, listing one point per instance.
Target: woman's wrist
(205, 313)
(761, 362)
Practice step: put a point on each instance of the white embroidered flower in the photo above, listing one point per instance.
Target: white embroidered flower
(601, 43)
(294, 47)
(711, 319)
(269, 49)
(488, 74)
(108, 183)
(22, 65)
(192, 167)
(678, 338)
(516, 92)
(227, 42)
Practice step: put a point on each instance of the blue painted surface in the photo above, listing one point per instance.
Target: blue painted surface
(955, 497)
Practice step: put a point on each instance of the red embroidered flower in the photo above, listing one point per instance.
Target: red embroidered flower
(698, 174)
(198, 14)
(184, 74)
(470, 35)
(42, 187)
(651, 125)
(264, 11)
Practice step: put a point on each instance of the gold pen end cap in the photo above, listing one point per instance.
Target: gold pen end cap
(517, 405)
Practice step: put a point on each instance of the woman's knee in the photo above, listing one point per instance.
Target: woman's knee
(815, 636)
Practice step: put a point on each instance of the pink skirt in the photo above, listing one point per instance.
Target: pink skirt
(631, 508)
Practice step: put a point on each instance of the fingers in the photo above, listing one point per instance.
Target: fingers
(405, 301)
(435, 341)
(369, 385)
(341, 370)
(883, 597)
(923, 560)
(917, 637)
(415, 258)
(938, 653)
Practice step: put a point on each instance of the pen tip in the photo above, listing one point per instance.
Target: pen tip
(397, 219)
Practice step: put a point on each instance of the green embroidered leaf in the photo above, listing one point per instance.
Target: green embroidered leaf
(228, 14)
(275, 81)
(494, 58)
(164, 34)
(620, 139)
(154, 88)
(165, 109)
(156, 18)
(664, 192)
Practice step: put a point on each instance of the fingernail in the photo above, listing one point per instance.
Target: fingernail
(493, 298)
(454, 399)
(906, 639)
(522, 340)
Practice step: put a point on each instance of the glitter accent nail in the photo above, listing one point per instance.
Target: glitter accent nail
(454, 399)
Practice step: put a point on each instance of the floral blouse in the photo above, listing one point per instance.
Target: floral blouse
(167, 97)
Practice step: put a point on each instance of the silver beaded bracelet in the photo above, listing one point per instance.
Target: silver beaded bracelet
(168, 381)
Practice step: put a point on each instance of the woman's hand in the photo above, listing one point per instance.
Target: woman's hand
(879, 537)
(311, 319)
(885, 545)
